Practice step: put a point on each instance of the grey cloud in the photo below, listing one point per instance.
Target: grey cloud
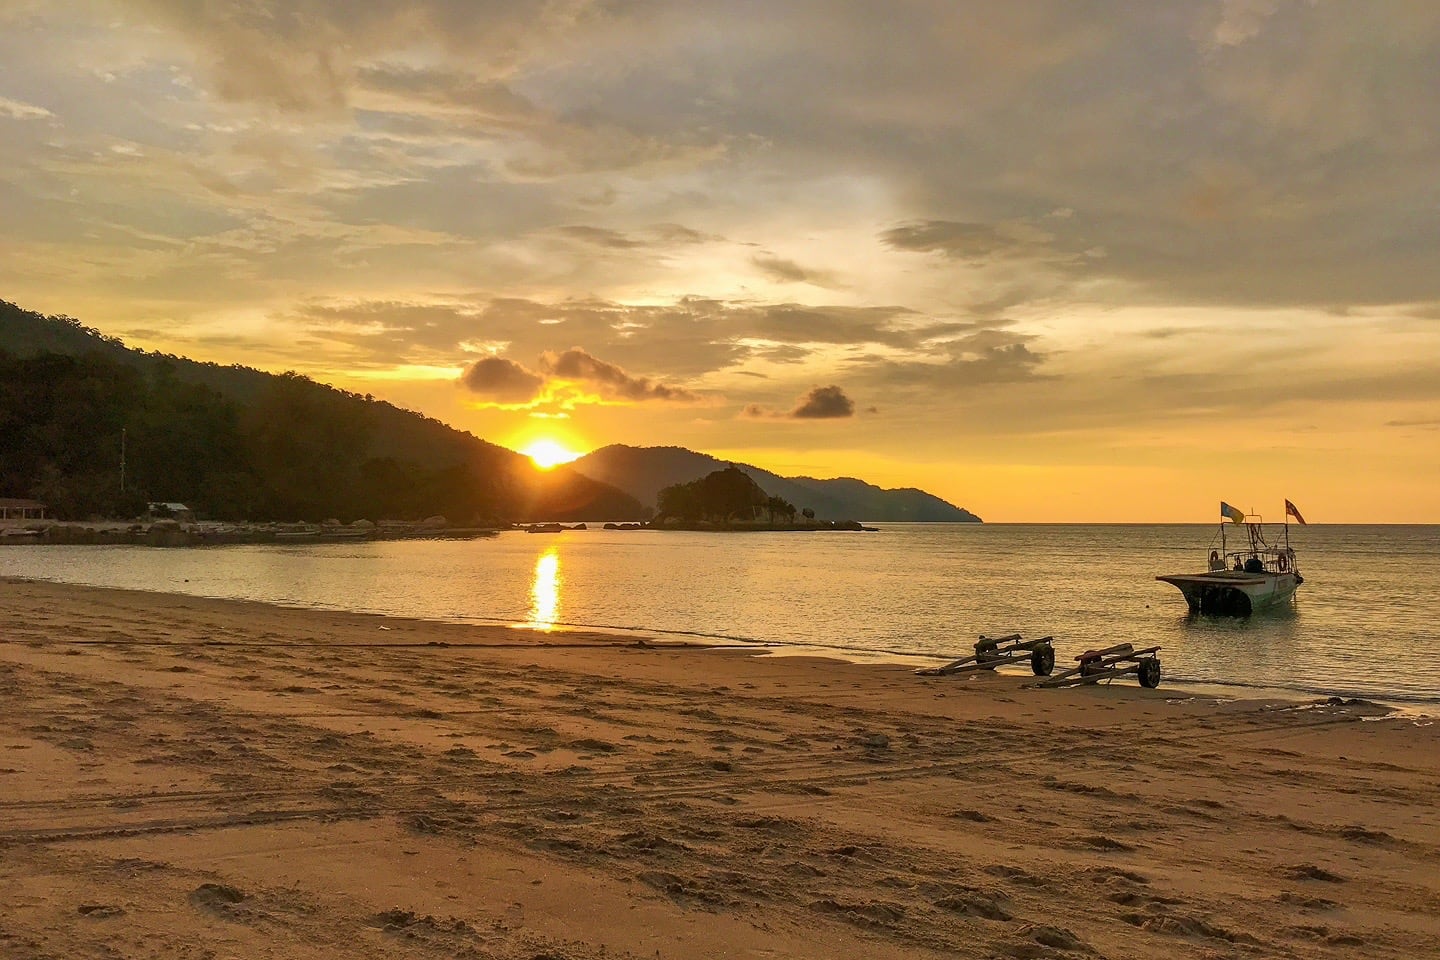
(1242, 20)
(601, 237)
(500, 379)
(335, 57)
(447, 94)
(1424, 311)
(305, 54)
(967, 367)
(788, 271)
(674, 233)
(982, 241)
(820, 403)
(782, 353)
(824, 403)
(1213, 153)
(577, 364)
(444, 105)
(687, 338)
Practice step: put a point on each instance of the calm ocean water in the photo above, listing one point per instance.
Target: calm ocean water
(1364, 623)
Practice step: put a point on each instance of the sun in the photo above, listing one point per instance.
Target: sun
(548, 454)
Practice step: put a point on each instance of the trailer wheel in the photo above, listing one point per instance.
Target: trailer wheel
(1042, 661)
(1149, 673)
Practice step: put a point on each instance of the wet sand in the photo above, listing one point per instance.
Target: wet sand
(183, 777)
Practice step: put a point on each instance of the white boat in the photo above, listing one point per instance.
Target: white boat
(1250, 578)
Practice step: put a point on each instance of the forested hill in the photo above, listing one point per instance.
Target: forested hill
(237, 443)
(643, 471)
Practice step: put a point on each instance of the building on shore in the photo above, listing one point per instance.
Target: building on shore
(170, 511)
(13, 509)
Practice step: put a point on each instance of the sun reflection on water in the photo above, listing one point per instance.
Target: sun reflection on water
(545, 591)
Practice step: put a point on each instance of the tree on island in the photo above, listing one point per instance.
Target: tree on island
(779, 507)
(721, 497)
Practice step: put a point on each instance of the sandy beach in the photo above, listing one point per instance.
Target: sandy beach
(183, 777)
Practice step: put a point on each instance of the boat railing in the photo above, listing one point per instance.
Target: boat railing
(1272, 560)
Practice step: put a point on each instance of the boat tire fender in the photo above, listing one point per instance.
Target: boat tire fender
(1282, 564)
(1214, 556)
(1042, 661)
(1149, 673)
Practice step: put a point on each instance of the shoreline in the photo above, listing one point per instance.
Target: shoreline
(1399, 703)
(173, 534)
(178, 771)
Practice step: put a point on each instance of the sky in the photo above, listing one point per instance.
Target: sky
(1052, 260)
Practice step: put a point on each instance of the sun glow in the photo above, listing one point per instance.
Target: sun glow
(549, 453)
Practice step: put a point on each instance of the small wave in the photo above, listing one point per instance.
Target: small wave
(1317, 690)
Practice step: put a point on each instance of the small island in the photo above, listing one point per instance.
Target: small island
(729, 500)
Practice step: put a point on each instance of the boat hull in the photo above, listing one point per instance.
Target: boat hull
(1231, 593)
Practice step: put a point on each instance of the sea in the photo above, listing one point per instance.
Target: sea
(1363, 624)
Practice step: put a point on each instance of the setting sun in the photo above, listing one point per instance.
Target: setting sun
(549, 453)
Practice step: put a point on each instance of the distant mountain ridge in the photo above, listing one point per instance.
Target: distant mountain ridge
(643, 472)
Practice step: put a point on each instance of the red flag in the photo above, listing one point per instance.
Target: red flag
(1291, 511)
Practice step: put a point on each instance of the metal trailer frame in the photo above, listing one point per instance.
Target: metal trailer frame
(992, 652)
(1108, 664)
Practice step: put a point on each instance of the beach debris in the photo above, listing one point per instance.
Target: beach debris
(100, 910)
(992, 652)
(1122, 659)
(218, 898)
(1059, 938)
(1309, 871)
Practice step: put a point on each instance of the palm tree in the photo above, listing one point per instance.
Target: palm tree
(778, 506)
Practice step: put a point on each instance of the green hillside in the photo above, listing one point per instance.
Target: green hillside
(242, 444)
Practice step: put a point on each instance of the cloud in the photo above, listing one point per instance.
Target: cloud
(781, 270)
(601, 237)
(1202, 153)
(359, 187)
(445, 95)
(577, 364)
(824, 403)
(980, 241)
(972, 363)
(657, 236)
(686, 338)
(305, 54)
(16, 110)
(505, 381)
(1242, 20)
(502, 380)
(821, 403)
(675, 233)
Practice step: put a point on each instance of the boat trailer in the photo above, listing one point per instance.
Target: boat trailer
(992, 652)
(1108, 664)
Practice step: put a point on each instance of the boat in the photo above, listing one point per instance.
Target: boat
(1254, 576)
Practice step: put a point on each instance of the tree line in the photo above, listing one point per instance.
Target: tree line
(298, 450)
